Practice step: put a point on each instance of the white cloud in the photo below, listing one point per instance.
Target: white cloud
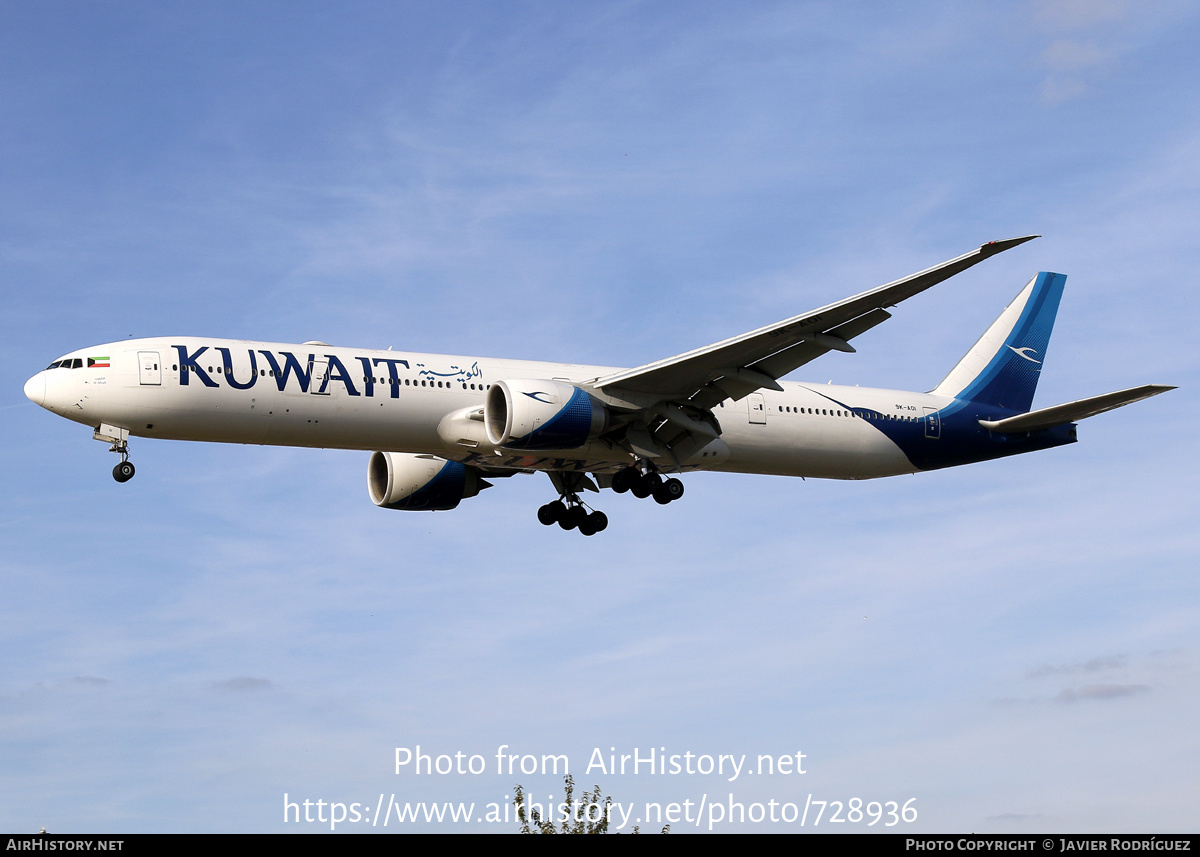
(1102, 692)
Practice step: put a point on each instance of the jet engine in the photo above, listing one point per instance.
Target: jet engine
(532, 414)
(420, 483)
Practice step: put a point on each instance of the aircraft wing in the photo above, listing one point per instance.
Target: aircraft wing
(737, 367)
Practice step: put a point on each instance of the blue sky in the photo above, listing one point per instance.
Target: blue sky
(1014, 644)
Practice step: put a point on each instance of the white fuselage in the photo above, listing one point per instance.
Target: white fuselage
(180, 388)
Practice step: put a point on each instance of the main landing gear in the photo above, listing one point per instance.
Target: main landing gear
(644, 482)
(570, 514)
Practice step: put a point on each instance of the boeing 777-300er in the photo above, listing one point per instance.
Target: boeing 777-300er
(440, 426)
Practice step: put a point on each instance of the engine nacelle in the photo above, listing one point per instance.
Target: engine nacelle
(532, 414)
(420, 483)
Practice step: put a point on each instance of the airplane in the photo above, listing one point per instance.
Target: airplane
(438, 427)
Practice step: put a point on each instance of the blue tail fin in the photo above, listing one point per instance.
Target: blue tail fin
(1003, 367)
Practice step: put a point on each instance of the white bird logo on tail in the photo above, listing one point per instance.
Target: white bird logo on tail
(1021, 353)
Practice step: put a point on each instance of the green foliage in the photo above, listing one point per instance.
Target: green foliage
(581, 815)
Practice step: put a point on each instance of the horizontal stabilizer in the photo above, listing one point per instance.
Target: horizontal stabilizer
(1073, 411)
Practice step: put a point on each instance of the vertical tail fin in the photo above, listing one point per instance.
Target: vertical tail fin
(1003, 367)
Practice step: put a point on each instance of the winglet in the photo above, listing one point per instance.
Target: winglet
(993, 247)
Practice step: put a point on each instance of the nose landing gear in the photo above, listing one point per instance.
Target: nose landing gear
(119, 438)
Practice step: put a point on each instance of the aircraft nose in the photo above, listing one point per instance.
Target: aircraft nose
(35, 388)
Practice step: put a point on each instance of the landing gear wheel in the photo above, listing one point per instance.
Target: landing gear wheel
(552, 512)
(572, 518)
(123, 472)
(571, 513)
(668, 492)
(623, 480)
(594, 523)
(646, 485)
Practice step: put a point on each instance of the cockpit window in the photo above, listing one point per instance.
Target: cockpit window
(54, 365)
(67, 363)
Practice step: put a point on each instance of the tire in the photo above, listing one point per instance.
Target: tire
(599, 522)
(674, 488)
(624, 479)
(572, 518)
(578, 516)
(646, 485)
(123, 472)
(551, 513)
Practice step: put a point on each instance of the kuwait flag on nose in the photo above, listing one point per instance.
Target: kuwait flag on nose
(97, 362)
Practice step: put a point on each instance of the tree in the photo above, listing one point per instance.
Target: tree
(580, 817)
